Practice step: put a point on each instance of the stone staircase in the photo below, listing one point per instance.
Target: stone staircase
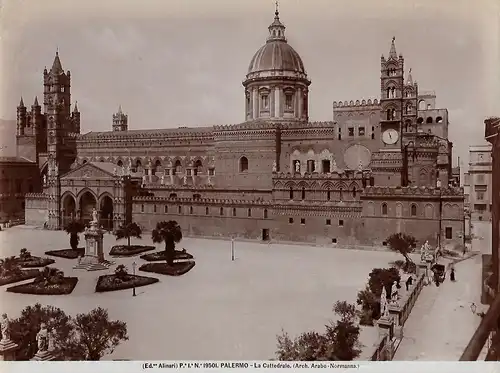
(94, 266)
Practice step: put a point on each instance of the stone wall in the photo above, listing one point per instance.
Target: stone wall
(36, 212)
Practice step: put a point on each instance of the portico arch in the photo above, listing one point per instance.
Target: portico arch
(68, 203)
(87, 203)
(106, 211)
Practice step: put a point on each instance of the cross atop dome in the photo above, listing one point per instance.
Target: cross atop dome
(276, 29)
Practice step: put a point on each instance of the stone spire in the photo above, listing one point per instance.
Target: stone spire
(409, 80)
(276, 29)
(56, 65)
(392, 52)
(36, 101)
(21, 103)
(75, 110)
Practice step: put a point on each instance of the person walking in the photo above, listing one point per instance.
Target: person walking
(452, 274)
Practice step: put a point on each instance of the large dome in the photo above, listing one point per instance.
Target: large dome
(276, 55)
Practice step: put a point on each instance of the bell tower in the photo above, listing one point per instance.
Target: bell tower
(120, 120)
(391, 98)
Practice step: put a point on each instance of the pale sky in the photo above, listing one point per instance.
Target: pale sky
(173, 63)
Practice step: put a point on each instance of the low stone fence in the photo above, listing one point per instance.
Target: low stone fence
(391, 328)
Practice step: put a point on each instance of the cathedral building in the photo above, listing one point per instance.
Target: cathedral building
(381, 166)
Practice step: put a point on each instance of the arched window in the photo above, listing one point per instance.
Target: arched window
(265, 213)
(421, 105)
(389, 92)
(413, 210)
(138, 163)
(165, 209)
(207, 211)
(328, 195)
(407, 125)
(173, 195)
(439, 119)
(197, 167)
(190, 209)
(384, 209)
(221, 211)
(119, 163)
(291, 193)
(177, 167)
(180, 209)
(429, 119)
(154, 208)
(303, 193)
(408, 109)
(234, 211)
(420, 120)
(249, 212)
(243, 164)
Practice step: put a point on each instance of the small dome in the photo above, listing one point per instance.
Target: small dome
(276, 55)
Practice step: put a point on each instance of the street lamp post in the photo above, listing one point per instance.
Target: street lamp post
(232, 249)
(134, 264)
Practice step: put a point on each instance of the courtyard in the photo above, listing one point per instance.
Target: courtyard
(222, 309)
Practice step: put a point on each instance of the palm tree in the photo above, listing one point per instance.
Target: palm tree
(9, 267)
(169, 232)
(121, 272)
(73, 228)
(127, 231)
(50, 276)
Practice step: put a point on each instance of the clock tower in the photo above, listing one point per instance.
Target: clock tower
(391, 98)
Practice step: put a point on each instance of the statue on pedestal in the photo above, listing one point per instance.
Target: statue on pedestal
(5, 327)
(42, 338)
(94, 216)
(384, 309)
(184, 181)
(334, 165)
(274, 166)
(129, 166)
(44, 179)
(143, 179)
(162, 179)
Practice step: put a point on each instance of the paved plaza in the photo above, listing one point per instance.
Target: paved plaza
(219, 310)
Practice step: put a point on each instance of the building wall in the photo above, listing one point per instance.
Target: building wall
(480, 180)
(36, 212)
(17, 177)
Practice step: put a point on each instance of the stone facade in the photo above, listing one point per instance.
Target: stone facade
(275, 176)
(480, 182)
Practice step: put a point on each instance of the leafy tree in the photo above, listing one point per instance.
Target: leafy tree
(169, 232)
(121, 272)
(97, 334)
(86, 337)
(9, 267)
(369, 298)
(404, 244)
(26, 327)
(50, 276)
(127, 231)
(339, 342)
(74, 228)
(24, 254)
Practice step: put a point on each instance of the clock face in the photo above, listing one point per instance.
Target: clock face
(390, 136)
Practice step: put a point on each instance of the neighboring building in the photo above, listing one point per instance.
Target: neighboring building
(379, 167)
(492, 134)
(480, 182)
(18, 176)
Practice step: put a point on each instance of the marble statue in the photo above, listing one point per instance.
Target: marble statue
(394, 292)
(334, 165)
(438, 183)
(274, 166)
(297, 166)
(115, 171)
(94, 216)
(56, 170)
(42, 338)
(184, 181)
(162, 179)
(144, 179)
(44, 179)
(360, 166)
(384, 309)
(5, 327)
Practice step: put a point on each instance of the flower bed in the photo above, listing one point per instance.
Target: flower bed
(34, 262)
(113, 282)
(124, 250)
(23, 275)
(67, 253)
(177, 269)
(160, 255)
(65, 287)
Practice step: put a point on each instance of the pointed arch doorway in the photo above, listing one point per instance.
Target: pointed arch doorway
(106, 213)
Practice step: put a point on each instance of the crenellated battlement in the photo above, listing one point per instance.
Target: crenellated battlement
(202, 201)
(413, 190)
(356, 105)
(36, 195)
(335, 175)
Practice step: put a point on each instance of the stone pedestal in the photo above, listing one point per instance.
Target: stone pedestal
(94, 253)
(8, 350)
(44, 356)
(386, 327)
